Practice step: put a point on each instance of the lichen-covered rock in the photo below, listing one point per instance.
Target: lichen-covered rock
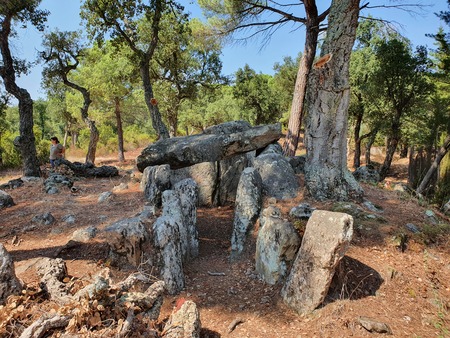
(155, 180)
(187, 191)
(276, 246)
(128, 240)
(278, 177)
(5, 200)
(184, 322)
(367, 174)
(9, 283)
(169, 260)
(325, 241)
(248, 205)
(185, 151)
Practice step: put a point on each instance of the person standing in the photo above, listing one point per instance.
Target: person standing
(56, 151)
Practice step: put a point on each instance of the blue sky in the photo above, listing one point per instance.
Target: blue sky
(259, 55)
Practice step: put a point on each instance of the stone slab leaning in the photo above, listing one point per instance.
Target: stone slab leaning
(326, 239)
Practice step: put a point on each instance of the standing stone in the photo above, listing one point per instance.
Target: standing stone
(205, 175)
(277, 175)
(187, 191)
(276, 247)
(184, 322)
(229, 172)
(248, 205)
(155, 180)
(9, 283)
(171, 208)
(217, 181)
(5, 200)
(169, 258)
(326, 239)
(128, 240)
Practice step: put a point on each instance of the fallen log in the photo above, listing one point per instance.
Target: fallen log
(44, 324)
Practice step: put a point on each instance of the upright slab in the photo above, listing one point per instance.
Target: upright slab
(326, 239)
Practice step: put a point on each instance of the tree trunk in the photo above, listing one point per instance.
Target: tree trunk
(391, 146)
(434, 167)
(372, 136)
(327, 100)
(93, 140)
(94, 134)
(119, 129)
(66, 135)
(404, 150)
(26, 141)
(358, 138)
(306, 61)
(150, 101)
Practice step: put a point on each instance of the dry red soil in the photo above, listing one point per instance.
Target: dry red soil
(409, 291)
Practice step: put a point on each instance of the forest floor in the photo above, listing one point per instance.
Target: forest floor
(409, 291)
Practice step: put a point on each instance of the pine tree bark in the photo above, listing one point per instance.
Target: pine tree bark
(295, 119)
(327, 101)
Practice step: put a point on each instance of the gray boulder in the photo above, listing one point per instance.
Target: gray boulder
(302, 211)
(155, 180)
(128, 241)
(52, 273)
(276, 246)
(5, 200)
(366, 174)
(9, 283)
(248, 205)
(298, 164)
(326, 239)
(55, 181)
(279, 179)
(187, 192)
(44, 219)
(169, 260)
(184, 321)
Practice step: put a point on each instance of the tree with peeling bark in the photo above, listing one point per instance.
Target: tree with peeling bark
(23, 13)
(62, 54)
(327, 101)
(127, 21)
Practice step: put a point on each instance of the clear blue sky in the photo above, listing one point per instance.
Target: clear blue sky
(287, 41)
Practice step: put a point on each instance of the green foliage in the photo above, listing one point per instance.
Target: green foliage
(435, 233)
(10, 154)
(210, 108)
(284, 83)
(43, 150)
(136, 137)
(260, 104)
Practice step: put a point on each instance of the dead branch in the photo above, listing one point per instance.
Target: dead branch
(126, 328)
(44, 324)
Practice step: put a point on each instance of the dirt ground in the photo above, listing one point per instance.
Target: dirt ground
(409, 291)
